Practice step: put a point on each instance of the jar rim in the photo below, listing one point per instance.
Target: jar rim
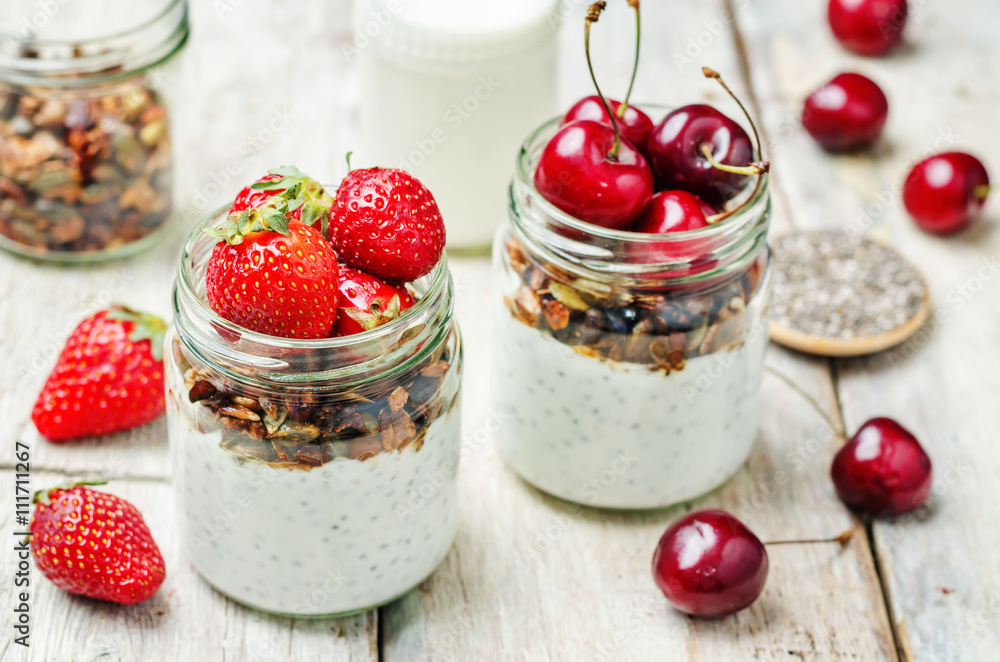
(392, 346)
(601, 250)
(109, 57)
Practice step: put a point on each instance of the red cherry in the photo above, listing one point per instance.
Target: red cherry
(578, 175)
(867, 27)
(945, 192)
(678, 162)
(846, 113)
(882, 470)
(635, 125)
(674, 211)
(670, 212)
(710, 564)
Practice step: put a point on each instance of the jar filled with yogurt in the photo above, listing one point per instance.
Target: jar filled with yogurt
(629, 362)
(314, 477)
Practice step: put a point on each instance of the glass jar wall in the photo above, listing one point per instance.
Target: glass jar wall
(314, 477)
(86, 160)
(629, 363)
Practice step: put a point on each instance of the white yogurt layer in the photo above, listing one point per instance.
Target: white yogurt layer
(341, 537)
(619, 435)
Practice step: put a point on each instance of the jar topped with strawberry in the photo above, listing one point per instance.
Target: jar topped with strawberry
(632, 283)
(314, 372)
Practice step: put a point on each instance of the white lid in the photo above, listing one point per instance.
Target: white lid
(455, 31)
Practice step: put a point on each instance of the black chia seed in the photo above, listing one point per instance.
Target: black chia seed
(832, 285)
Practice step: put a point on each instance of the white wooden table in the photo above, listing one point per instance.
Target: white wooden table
(530, 577)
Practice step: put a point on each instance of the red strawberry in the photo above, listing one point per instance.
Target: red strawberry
(273, 276)
(297, 194)
(108, 378)
(95, 544)
(386, 223)
(367, 302)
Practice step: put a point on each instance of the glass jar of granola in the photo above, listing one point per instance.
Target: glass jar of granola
(86, 167)
(314, 477)
(629, 363)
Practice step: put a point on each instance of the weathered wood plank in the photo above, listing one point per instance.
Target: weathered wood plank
(532, 577)
(185, 620)
(942, 575)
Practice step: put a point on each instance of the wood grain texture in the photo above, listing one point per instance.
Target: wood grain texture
(535, 578)
(531, 577)
(939, 564)
(185, 620)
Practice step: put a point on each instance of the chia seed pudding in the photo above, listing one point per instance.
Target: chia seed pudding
(314, 477)
(619, 435)
(639, 406)
(373, 529)
(628, 362)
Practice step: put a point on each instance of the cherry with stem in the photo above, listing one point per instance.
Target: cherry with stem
(880, 471)
(756, 168)
(587, 170)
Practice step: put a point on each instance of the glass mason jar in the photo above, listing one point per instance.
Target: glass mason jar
(629, 363)
(313, 477)
(86, 165)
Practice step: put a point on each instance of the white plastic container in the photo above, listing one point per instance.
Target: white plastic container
(449, 88)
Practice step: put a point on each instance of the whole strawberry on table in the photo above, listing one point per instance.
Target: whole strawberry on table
(95, 544)
(295, 262)
(108, 378)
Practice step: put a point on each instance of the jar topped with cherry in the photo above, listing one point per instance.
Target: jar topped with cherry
(632, 282)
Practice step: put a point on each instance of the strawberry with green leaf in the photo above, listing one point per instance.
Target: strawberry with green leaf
(273, 275)
(290, 191)
(108, 378)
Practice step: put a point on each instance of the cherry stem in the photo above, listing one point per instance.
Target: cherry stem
(756, 168)
(841, 540)
(712, 73)
(762, 165)
(981, 192)
(635, 64)
(593, 13)
(788, 380)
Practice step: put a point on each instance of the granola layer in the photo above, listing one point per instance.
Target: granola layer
(289, 431)
(660, 329)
